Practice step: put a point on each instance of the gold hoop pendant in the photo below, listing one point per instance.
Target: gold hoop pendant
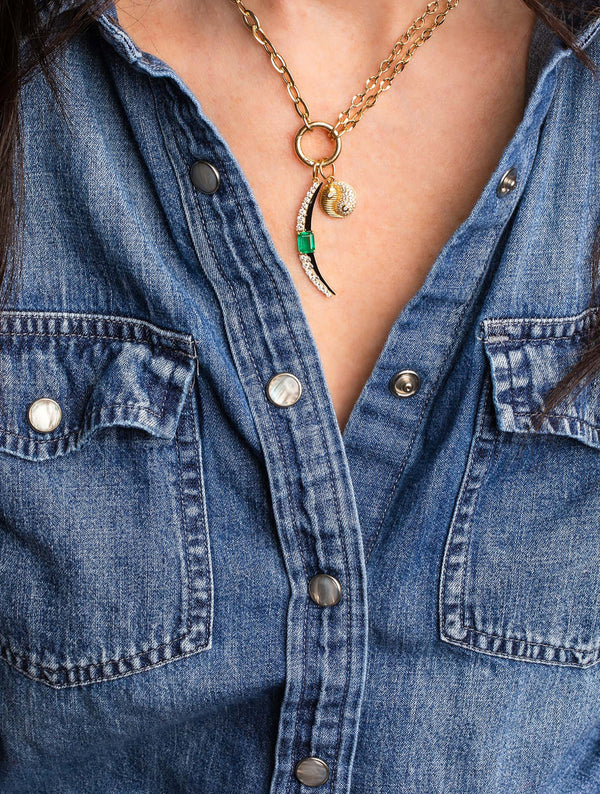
(309, 127)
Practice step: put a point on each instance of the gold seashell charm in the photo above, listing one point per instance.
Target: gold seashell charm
(338, 199)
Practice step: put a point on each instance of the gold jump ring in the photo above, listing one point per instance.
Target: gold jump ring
(308, 128)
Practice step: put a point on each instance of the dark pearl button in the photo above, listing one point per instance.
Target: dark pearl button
(312, 772)
(325, 590)
(507, 183)
(205, 177)
(405, 383)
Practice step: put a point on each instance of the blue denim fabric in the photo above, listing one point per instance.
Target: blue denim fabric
(156, 633)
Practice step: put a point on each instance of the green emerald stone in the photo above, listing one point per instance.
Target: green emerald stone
(306, 242)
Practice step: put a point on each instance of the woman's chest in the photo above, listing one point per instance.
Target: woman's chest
(416, 181)
(418, 161)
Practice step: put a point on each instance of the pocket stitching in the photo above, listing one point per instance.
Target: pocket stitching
(469, 485)
(193, 636)
(486, 436)
(47, 675)
(506, 346)
(94, 412)
(584, 657)
(81, 434)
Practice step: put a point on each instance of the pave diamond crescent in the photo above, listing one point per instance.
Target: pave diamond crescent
(306, 240)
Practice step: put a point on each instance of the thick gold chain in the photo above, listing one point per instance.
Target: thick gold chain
(374, 86)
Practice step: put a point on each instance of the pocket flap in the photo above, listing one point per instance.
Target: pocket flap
(102, 371)
(528, 357)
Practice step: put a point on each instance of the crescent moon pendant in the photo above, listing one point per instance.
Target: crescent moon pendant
(306, 246)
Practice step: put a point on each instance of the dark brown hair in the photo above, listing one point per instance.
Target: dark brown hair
(32, 31)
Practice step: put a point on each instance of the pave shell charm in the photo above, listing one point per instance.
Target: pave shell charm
(338, 199)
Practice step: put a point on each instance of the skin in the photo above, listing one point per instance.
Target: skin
(418, 160)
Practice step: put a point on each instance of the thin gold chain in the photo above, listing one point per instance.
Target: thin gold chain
(374, 86)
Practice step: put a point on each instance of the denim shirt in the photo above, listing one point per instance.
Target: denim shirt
(162, 519)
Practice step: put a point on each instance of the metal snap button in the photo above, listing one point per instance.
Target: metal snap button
(44, 415)
(284, 389)
(205, 177)
(325, 590)
(312, 772)
(508, 182)
(405, 383)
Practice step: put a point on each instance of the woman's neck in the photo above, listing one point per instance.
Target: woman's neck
(362, 24)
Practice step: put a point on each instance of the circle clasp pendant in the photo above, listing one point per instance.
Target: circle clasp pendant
(308, 127)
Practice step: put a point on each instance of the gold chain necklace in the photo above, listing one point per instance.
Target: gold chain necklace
(338, 199)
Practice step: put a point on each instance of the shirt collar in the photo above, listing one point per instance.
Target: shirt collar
(587, 32)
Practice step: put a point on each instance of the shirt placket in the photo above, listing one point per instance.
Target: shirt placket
(311, 491)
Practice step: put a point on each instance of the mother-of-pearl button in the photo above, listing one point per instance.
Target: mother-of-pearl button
(325, 590)
(44, 415)
(284, 389)
(312, 772)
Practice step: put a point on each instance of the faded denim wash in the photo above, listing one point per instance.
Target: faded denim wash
(156, 633)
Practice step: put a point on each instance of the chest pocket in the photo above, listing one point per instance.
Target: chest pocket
(104, 550)
(521, 570)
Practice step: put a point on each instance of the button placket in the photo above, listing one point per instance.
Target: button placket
(313, 501)
(284, 390)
